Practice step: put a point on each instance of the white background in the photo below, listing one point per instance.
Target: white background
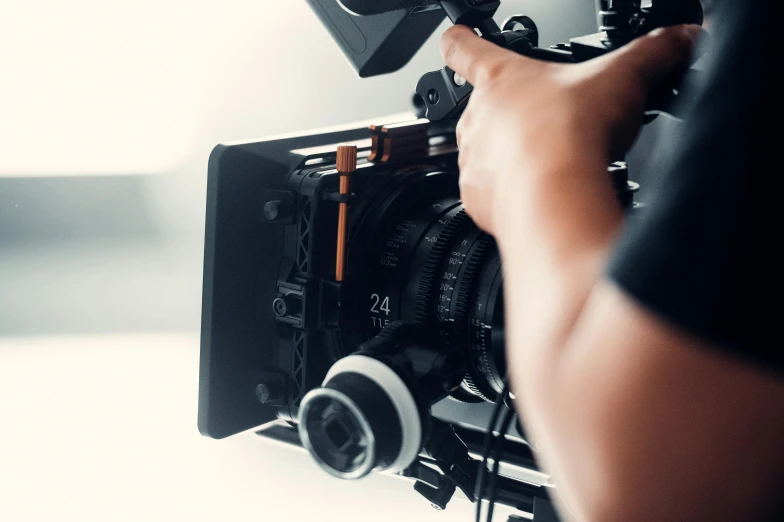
(103, 428)
(108, 112)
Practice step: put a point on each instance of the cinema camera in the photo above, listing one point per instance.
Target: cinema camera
(350, 304)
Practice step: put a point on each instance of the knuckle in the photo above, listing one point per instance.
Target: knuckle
(491, 70)
(678, 43)
(674, 41)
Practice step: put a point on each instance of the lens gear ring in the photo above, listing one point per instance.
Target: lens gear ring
(461, 317)
(482, 311)
(475, 259)
(427, 284)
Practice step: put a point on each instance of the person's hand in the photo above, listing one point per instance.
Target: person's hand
(528, 119)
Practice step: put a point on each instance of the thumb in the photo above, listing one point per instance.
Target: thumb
(659, 55)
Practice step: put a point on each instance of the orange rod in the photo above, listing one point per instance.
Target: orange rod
(346, 165)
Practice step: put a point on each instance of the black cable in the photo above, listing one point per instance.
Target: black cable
(489, 437)
(497, 456)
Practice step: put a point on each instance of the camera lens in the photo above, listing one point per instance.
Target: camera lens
(432, 265)
(427, 276)
(363, 418)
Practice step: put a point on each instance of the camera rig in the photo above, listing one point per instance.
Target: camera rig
(420, 307)
(387, 33)
(351, 306)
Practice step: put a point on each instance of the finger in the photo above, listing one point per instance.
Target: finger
(660, 55)
(473, 58)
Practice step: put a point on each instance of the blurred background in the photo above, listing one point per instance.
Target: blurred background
(108, 113)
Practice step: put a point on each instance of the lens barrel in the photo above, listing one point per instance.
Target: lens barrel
(434, 266)
(429, 306)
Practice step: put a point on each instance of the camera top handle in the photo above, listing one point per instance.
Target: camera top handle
(444, 94)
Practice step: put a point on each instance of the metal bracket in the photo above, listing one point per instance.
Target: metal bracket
(399, 141)
(289, 305)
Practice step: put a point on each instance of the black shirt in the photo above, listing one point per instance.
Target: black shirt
(706, 253)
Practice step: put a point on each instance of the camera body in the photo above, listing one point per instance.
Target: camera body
(422, 296)
(272, 310)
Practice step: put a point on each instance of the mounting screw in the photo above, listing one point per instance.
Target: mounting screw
(271, 392)
(280, 307)
(271, 389)
(286, 305)
(263, 393)
(275, 209)
(459, 80)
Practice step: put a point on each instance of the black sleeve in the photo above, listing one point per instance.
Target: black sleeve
(706, 252)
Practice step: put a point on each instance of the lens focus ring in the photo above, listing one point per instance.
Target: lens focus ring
(430, 272)
(432, 265)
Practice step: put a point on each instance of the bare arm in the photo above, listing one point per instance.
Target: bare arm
(635, 419)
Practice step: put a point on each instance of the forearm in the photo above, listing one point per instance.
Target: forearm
(555, 239)
(558, 225)
(626, 410)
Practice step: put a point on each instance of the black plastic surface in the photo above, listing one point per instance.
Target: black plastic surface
(381, 43)
(242, 256)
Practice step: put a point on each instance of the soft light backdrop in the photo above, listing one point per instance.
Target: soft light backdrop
(108, 112)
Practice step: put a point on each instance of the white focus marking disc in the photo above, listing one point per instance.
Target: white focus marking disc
(398, 393)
